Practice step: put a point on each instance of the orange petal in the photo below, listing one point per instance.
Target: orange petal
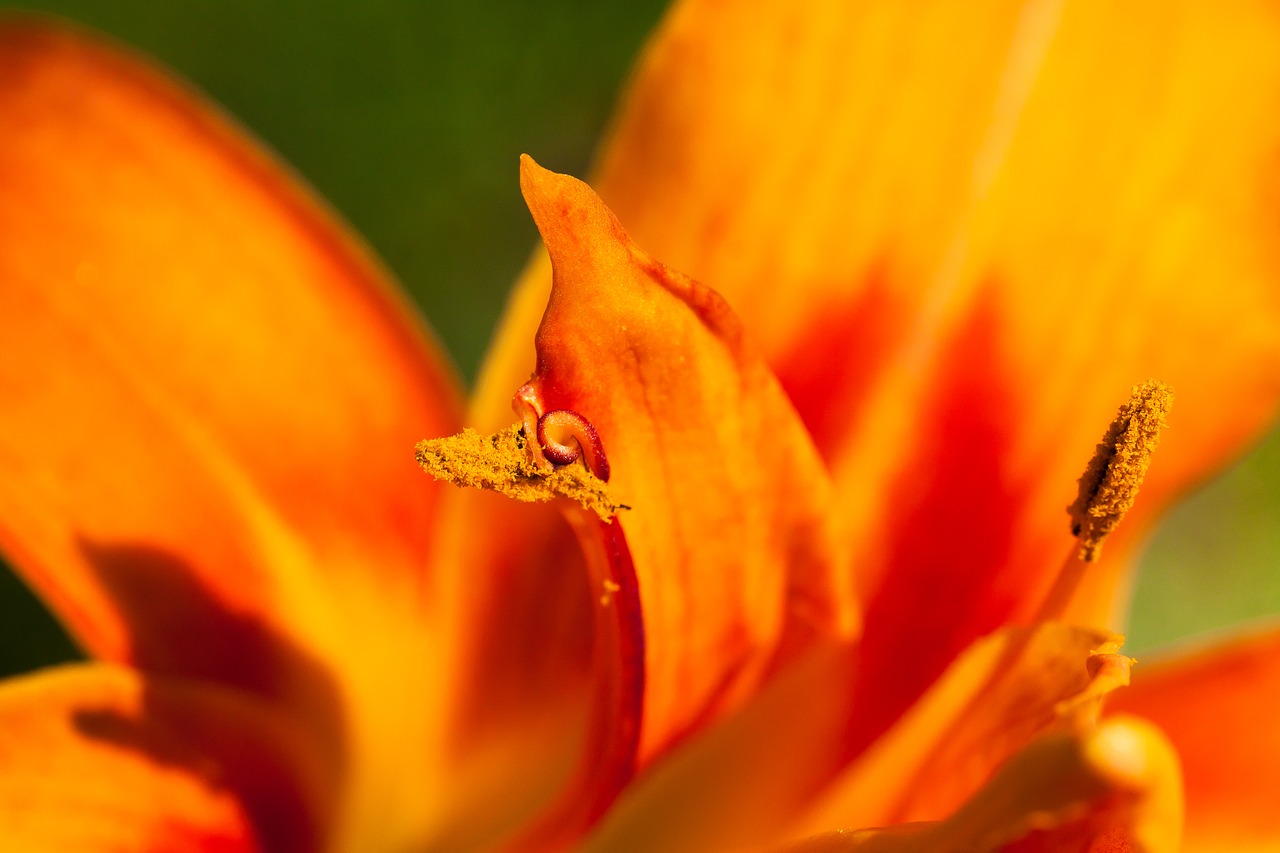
(618, 699)
(98, 758)
(768, 772)
(961, 232)
(209, 396)
(1115, 788)
(1218, 707)
(742, 781)
(500, 591)
(915, 176)
(737, 566)
(210, 392)
(1004, 691)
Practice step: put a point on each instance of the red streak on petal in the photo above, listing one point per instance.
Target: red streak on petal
(620, 657)
(829, 372)
(613, 737)
(941, 592)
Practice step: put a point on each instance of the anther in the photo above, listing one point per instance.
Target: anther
(1108, 488)
(503, 463)
(1111, 480)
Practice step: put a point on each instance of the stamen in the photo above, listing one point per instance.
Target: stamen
(503, 463)
(1107, 491)
(1111, 481)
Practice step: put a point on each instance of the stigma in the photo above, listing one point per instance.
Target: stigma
(560, 437)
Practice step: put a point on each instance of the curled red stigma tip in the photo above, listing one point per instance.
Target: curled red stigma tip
(567, 436)
(563, 436)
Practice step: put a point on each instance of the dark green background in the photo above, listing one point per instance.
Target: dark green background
(409, 116)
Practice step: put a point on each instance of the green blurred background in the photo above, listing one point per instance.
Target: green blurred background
(409, 116)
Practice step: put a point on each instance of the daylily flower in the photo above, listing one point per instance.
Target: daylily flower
(828, 585)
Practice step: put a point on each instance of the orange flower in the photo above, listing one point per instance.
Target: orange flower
(943, 243)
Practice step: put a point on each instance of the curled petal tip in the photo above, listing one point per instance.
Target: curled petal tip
(581, 235)
(528, 167)
(541, 181)
(537, 183)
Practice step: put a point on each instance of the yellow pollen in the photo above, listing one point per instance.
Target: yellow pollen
(502, 463)
(1111, 481)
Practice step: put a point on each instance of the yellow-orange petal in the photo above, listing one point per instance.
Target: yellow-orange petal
(775, 769)
(961, 232)
(1113, 789)
(99, 758)
(516, 618)
(728, 523)
(1004, 691)
(209, 391)
(618, 697)
(740, 782)
(1217, 705)
(910, 170)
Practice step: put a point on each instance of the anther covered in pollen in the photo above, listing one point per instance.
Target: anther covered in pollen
(534, 460)
(503, 464)
(1110, 482)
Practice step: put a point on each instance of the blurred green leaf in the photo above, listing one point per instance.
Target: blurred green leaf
(1215, 560)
